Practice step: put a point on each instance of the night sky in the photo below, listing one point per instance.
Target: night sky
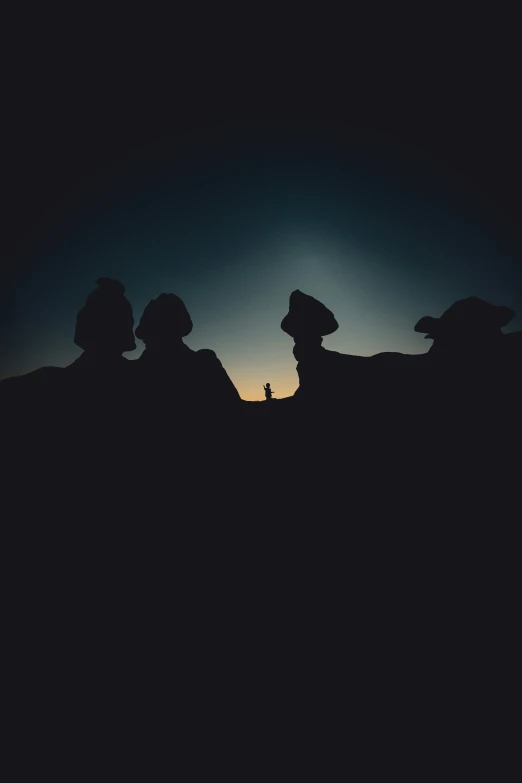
(233, 216)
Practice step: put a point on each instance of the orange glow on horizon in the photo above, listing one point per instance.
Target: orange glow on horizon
(252, 388)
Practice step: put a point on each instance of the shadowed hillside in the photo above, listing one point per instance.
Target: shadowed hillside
(174, 419)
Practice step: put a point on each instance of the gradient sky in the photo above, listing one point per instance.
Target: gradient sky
(233, 229)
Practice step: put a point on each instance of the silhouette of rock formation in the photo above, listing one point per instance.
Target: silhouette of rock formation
(470, 328)
(174, 413)
(325, 377)
(307, 318)
(387, 408)
(401, 480)
(104, 326)
(476, 367)
(173, 378)
(468, 333)
(104, 330)
(512, 347)
(98, 382)
(59, 417)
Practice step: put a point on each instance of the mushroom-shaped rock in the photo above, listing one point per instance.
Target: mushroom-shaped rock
(106, 321)
(165, 319)
(471, 316)
(308, 318)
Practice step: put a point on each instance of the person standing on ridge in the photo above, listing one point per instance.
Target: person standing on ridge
(268, 391)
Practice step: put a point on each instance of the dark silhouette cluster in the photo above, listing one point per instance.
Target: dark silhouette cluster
(145, 498)
(468, 342)
(173, 416)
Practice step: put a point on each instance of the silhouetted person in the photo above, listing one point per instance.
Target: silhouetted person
(268, 391)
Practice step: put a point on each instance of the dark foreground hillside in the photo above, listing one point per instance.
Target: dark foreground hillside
(355, 544)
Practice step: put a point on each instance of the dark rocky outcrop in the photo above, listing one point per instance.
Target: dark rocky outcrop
(470, 328)
(172, 372)
(68, 424)
(389, 409)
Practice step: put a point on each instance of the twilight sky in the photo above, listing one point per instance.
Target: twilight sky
(234, 227)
